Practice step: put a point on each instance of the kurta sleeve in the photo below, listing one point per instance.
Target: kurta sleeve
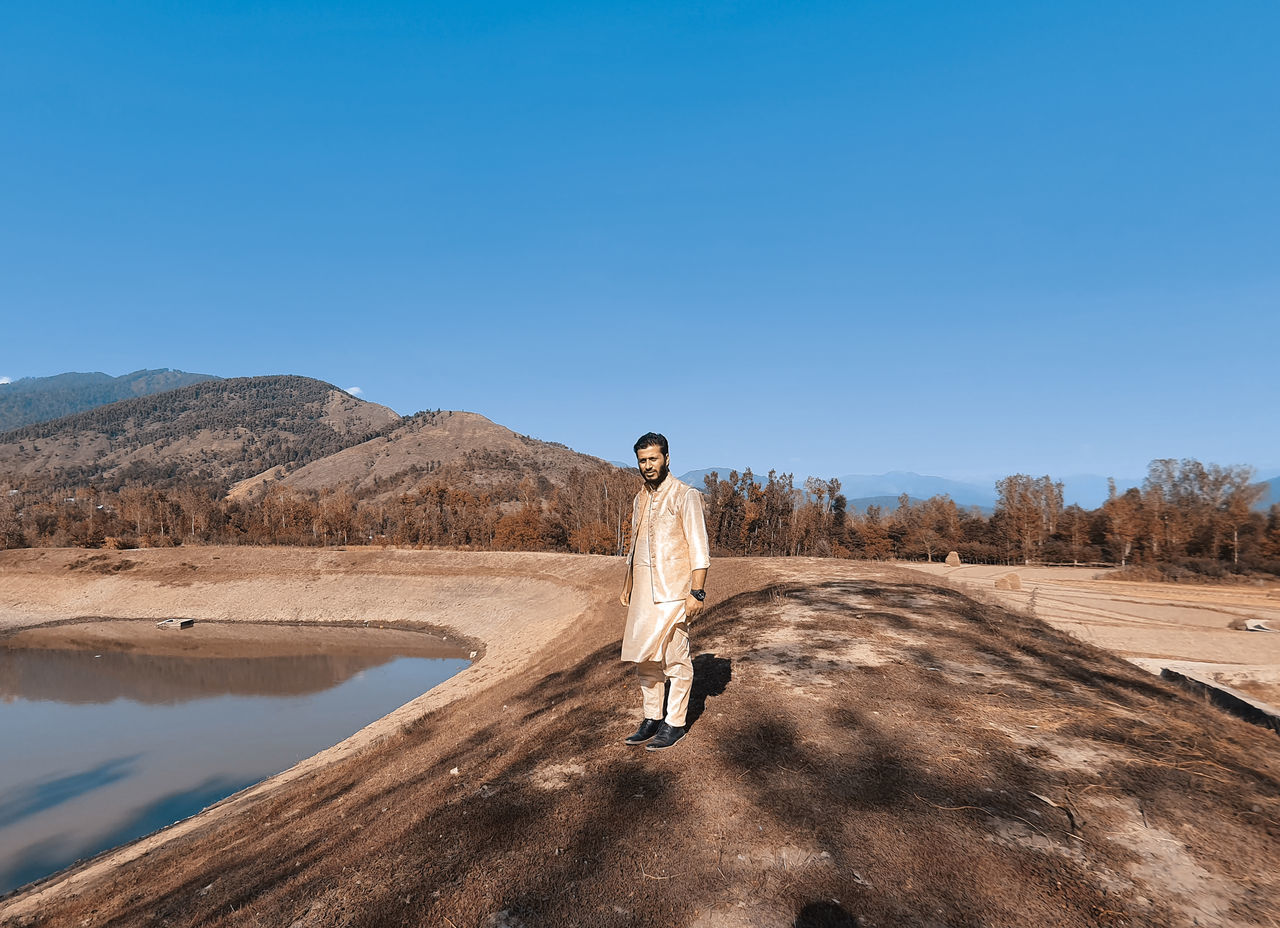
(695, 530)
(631, 545)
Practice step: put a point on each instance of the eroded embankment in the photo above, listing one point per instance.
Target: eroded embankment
(863, 745)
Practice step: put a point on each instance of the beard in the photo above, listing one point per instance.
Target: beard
(662, 475)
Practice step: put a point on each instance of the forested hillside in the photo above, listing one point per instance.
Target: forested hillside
(296, 461)
(214, 432)
(40, 399)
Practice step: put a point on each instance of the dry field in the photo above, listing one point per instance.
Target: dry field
(867, 746)
(1192, 628)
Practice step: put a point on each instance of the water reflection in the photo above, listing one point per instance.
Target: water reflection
(114, 747)
(28, 799)
(86, 677)
(50, 854)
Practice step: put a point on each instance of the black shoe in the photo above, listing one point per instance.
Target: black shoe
(648, 728)
(667, 736)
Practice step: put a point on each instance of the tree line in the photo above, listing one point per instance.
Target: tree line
(1185, 517)
(589, 514)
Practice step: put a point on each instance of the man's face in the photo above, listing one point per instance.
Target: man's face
(652, 463)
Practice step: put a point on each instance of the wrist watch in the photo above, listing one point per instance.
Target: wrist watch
(699, 595)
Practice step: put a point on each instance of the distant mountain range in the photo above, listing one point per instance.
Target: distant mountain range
(1088, 491)
(883, 490)
(41, 399)
(918, 486)
(1270, 494)
(862, 490)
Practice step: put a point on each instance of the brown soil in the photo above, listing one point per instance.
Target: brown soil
(866, 747)
(1198, 629)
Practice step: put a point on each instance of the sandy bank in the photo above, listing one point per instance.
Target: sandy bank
(504, 607)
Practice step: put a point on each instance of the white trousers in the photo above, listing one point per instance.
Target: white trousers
(675, 665)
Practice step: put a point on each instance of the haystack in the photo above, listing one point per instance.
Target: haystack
(1009, 582)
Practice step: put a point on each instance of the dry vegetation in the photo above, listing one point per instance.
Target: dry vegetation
(866, 748)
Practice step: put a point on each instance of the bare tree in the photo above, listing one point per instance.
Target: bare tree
(1124, 519)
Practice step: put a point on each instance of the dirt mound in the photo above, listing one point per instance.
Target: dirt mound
(864, 748)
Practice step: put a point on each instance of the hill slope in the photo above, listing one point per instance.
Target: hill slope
(864, 748)
(216, 431)
(477, 449)
(41, 399)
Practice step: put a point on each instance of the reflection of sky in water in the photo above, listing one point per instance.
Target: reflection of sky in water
(78, 778)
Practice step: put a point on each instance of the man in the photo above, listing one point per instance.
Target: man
(665, 586)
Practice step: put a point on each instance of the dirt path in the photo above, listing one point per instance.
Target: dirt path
(1189, 627)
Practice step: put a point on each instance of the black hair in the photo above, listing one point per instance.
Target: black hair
(648, 440)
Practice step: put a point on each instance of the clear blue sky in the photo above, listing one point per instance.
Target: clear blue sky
(955, 238)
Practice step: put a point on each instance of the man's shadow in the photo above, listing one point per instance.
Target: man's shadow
(826, 915)
(711, 675)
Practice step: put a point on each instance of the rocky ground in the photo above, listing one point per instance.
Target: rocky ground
(868, 746)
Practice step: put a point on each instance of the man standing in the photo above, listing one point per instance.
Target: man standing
(666, 574)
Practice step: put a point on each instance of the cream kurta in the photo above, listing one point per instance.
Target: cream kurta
(669, 542)
(650, 625)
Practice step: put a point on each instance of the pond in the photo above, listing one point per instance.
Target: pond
(110, 730)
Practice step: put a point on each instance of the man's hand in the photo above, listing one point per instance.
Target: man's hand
(692, 606)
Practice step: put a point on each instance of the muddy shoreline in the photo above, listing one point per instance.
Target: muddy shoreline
(223, 639)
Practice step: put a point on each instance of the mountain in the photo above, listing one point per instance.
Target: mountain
(1089, 491)
(41, 399)
(920, 486)
(1270, 495)
(697, 478)
(887, 504)
(215, 431)
(862, 490)
(468, 445)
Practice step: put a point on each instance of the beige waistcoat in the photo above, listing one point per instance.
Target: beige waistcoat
(677, 534)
